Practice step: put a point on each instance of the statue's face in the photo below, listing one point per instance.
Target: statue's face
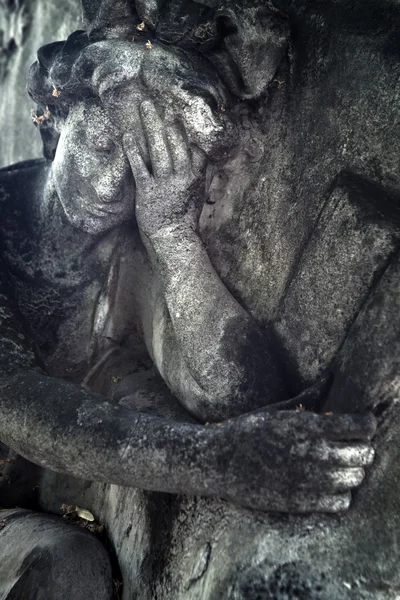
(245, 40)
(91, 173)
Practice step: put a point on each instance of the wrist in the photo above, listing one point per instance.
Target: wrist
(173, 228)
(198, 466)
(173, 244)
(214, 457)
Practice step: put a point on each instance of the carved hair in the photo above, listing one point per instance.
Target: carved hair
(105, 62)
(59, 78)
(51, 83)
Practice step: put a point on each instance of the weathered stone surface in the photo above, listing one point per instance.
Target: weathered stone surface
(45, 557)
(349, 250)
(366, 374)
(302, 226)
(193, 548)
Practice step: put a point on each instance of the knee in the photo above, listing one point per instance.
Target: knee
(52, 558)
(241, 389)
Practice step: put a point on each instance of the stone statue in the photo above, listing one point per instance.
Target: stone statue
(113, 278)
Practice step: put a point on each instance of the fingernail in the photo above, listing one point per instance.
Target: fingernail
(146, 105)
(128, 139)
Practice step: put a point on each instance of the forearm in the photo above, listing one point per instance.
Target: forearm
(260, 461)
(201, 308)
(68, 429)
(222, 345)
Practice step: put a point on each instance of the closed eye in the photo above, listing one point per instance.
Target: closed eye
(104, 145)
(101, 144)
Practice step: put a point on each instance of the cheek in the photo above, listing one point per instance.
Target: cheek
(67, 170)
(61, 169)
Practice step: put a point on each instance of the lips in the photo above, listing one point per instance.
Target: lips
(101, 210)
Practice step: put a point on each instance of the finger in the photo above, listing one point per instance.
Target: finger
(356, 454)
(179, 150)
(154, 130)
(330, 480)
(342, 480)
(303, 502)
(138, 166)
(348, 427)
(139, 135)
(332, 503)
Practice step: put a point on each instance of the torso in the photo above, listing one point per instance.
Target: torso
(83, 296)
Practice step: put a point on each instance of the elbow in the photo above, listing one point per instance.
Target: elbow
(243, 373)
(237, 391)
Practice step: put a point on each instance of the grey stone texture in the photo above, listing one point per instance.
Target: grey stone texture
(249, 268)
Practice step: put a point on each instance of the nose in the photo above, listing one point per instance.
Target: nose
(255, 40)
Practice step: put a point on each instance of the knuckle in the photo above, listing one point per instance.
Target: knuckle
(340, 503)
